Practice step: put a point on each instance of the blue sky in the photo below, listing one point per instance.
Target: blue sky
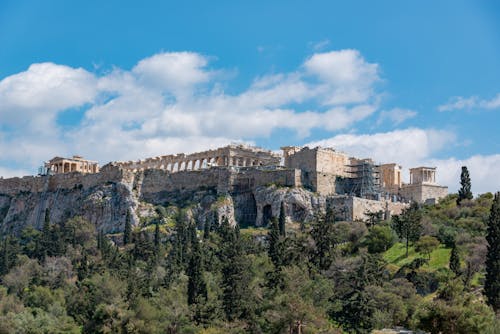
(414, 82)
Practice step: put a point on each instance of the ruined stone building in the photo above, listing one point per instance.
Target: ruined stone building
(231, 155)
(242, 183)
(59, 165)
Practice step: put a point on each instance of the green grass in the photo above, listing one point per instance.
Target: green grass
(396, 257)
(254, 231)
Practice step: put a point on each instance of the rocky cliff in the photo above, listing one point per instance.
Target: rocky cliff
(249, 197)
(104, 198)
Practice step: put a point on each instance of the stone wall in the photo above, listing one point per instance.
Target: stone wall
(320, 167)
(37, 184)
(423, 193)
(351, 208)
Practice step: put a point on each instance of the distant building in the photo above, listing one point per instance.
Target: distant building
(320, 167)
(423, 187)
(59, 165)
(390, 178)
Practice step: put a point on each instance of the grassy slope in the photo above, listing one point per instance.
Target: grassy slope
(396, 257)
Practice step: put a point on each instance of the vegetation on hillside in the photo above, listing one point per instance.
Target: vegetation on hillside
(423, 270)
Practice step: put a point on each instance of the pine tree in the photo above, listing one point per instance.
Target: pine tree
(455, 261)
(492, 282)
(282, 220)
(408, 224)
(127, 233)
(465, 191)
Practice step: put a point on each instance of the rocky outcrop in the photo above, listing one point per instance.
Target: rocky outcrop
(105, 198)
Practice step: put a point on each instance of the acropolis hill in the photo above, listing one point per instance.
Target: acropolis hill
(243, 183)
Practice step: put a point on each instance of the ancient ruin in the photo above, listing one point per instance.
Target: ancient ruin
(243, 183)
(231, 155)
(77, 163)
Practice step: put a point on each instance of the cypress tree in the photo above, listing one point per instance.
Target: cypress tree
(234, 279)
(157, 236)
(46, 237)
(282, 220)
(197, 287)
(4, 258)
(274, 250)
(206, 229)
(465, 191)
(492, 282)
(455, 261)
(127, 233)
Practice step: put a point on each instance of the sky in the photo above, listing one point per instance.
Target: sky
(411, 82)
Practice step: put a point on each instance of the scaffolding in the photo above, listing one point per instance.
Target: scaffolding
(363, 179)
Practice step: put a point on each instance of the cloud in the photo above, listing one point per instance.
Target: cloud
(473, 102)
(175, 72)
(396, 115)
(34, 97)
(483, 170)
(321, 45)
(408, 147)
(346, 75)
(174, 102)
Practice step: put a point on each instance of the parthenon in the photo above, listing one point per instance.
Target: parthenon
(231, 155)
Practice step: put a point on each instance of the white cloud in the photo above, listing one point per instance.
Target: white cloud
(396, 115)
(321, 45)
(483, 170)
(175, 72)
(12, 172)
(473, 102)
(348, 77)
(173, 102)
(407, 147)
(34, 97)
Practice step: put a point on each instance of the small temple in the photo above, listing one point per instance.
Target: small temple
(59, 165)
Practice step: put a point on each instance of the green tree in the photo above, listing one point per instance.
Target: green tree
(234, 272)
(426, 245)
(323, 234)
(4, 258)
(465, 191)
(492, 282)
(455, 261)
(275, 250)
(197, 288)
(157, 237)
(379, 239)
(408, 224)
(127, 233)
(282, 220)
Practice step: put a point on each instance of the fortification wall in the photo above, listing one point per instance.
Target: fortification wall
(37, 184)
(263, 177)
(156, 180)
(355, 208)
(422, 193)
